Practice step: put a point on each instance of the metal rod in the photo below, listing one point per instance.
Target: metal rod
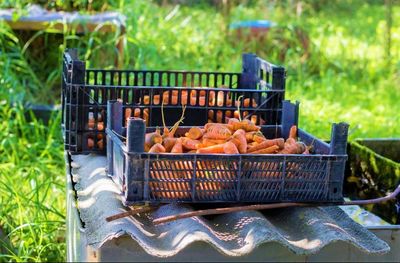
(217, 211)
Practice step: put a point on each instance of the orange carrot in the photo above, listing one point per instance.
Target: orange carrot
(230, 148)
(189, 144)
(293, 148)
(100, 144)
(216, 131)
(220, 98)
(259, 137)
(168, 143)
(194, 133)
(146, 99)
(177, 147)
(214, 141)
(100, 126)
(233, 121)
(90, 143)
(246, 103)
(151, 139)
(157, 148)
(293, 132)
(290, 141)
(128, 112)
(251, 144)
(271, 149)
(202, 100)
(249, 136)
(91, 123)
(210, 114)
(246, 125)
(253, 119)
(267, 143)
(239, 139)
(236, 114)
(218, 148)
(156, 99)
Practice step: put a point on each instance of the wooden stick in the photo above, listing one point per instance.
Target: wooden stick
(134, 211)
(225, 210)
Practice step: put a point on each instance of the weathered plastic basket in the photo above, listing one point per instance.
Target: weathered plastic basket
(205, 178)
(374, 170)
(85, 93)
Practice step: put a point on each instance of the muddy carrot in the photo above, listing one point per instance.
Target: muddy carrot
(267, 143)
(218, 148)
(168, 143)
(210, 114)
(293, 132)
(177, 147)
(151, 139)
(294, 148)
(100, 126)
(157, 148)
(194, 133)
(202, 100)
(249, 136)
(230, 148)
(100, 144)
(90, 143)
(232, 121)
(214, 141)
(246, 125)
(146, 99)
(217, 131)
(128, 112)
(156, 99)
(246, 103)
(259, 137)
(189, 144)
(251, 144)
(236, 114)
(271, 149)
(253, 119)
(91, 123)
(239, 139)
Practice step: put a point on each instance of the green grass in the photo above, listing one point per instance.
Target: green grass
(335, 54)
(32, 188)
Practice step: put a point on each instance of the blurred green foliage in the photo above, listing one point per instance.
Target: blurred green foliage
(335, 52)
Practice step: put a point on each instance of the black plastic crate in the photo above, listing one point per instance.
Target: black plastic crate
(204, 178)
(85, 93)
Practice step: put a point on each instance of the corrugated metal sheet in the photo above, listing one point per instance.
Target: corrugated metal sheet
(302, 230)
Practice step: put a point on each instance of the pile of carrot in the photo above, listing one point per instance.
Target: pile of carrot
(215, 98)
(235, 137)
(100, 127)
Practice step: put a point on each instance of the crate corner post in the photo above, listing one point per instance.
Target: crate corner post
(338, 146)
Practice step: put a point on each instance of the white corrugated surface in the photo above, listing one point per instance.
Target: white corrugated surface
(302, 230)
